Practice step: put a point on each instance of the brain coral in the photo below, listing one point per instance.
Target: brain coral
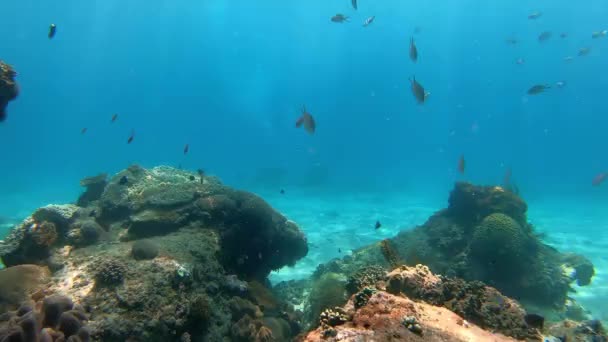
(499, 240)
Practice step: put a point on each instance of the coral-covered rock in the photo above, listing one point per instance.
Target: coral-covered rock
(109, 272)
(84, 233)
(582, 267)
(18, 282)
(60, 215)
(94, 189)
(144, 250)
(8, 87)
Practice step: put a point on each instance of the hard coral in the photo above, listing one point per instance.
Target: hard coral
(363, 297)
(8, 87)
(44, 234)
(109, 272)
(326, 292)
(366, 276)
(94, 189)
(144, 250)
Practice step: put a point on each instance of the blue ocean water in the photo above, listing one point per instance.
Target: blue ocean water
(229, 79)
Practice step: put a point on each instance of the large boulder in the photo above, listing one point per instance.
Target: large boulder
(8, 87)
(17, 283)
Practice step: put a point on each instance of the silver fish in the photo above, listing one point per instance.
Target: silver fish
(369, 21)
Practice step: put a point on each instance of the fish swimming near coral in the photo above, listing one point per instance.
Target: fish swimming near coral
(114, 117)
(418, 90)
(339, 18)
(52, 31)
(186, 149)
(599, 179)
(377, 225)
(368, 21)
(354, 3)
(131, 137)
(307, 121)
(124, 180)
(201, 174)
(537, 89)
(535, 15)
(413, 50)
(461, 164)
(543, 37)
(534, 321)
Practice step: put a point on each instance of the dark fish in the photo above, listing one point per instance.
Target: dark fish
(377, 225)
(92, 213)
(507, 180)
(201, 174)
(339, 18)
(131, 137)
(123, 180)
(534, 320)
(52, 31)
(535, 15)
(544, 36)
(413, 50)
(418, 90)
(191, 178)
(584, 51)
(282, 192)
(83, 131)
(511, 41)
(354, 3)
(114, 117)
(186, 149)
(461, 164)
(369, 20)
(339, 250)
(307, 121)
(537, 89)
(563, 35)
(599, 179)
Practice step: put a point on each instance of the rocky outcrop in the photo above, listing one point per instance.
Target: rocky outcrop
(8, 87)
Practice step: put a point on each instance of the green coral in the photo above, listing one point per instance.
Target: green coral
(499, 239)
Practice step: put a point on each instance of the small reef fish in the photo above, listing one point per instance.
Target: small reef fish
(339, 250)
(544, 36)
(282, 192)
(339, 18)
(584, 51)
(535, 15)
(201, 174)
(511, 41)
(83, 131)
(537, 89)
(563, 35)
(461, 164)
(354, 3)
(599, 179)
(568, 59)
(131, 137)
(560, 84)
(599, 34)
(520, 61)
(307, 121)
(52, 31)
(114, 117)
(186, 148)
(123, 180)
(413, 50)
(418, 91)
(369, 20)
(377, 225)
(534, 320)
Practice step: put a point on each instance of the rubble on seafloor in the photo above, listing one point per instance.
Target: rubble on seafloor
(156, 257)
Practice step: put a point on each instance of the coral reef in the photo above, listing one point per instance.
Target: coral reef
(326, 292)
(367, 276)
(8, 87)
(208, 284)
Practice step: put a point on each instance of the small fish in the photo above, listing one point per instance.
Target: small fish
(201, 174)
(568, 59)
(584, 51)
(282, 192)
(307, 121)
(369, 20)
(544, 36)
(511, 41)
(131, 137)
(560, 84)
(339, 18)
(599, 34)
(534, 320)
(413, 50)
(418, 91)
(191, 178)
(377, 225)
(52, 31)
(599, 179)
(507, 180)
(83, 131)
(92, 213)
(535, 15)
(520, 61)
(123, 180)
(354, 3)
(461, 164)
(537, 89)
(186, 148)
(339, 250)
(417, 29)
(114, 117)
(563, 35)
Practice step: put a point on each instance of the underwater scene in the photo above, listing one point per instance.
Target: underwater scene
(344, 170)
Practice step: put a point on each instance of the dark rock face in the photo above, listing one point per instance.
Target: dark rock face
(94, 189)
(8, 87)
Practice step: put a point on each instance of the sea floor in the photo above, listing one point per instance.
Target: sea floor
(337, 224)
